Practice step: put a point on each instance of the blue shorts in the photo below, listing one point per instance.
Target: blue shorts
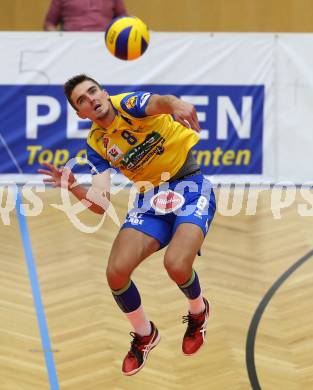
(161, 210)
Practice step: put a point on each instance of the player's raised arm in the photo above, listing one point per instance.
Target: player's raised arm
(96, 198)
(184, 112)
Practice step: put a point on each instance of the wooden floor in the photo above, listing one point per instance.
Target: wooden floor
(243, 256)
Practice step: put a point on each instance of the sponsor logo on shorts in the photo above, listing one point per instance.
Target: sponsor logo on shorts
(198, 214)
(134, 219)
(202, 202)
(166, 202)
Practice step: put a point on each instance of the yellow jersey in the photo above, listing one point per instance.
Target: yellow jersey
(142, 147)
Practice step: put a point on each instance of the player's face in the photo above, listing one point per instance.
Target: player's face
(90, 101)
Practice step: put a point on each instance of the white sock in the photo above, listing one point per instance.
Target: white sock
(196, 306)
(139, 321)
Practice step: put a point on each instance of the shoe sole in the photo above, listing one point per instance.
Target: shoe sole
(154, 344)
(205, 326)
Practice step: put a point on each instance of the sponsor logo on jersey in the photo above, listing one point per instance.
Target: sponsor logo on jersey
(140, 154)
(114, 153)
(166, 202)
(143, 99)
(131, 102)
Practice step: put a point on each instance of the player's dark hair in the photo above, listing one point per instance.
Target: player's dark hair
(71, 84)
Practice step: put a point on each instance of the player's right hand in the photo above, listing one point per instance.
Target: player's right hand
(58, 177)
(185, 113)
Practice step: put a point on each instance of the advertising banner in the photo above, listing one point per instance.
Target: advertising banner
(233, 102)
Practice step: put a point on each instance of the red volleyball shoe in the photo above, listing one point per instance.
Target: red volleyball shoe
(194, 336)
(139, 350)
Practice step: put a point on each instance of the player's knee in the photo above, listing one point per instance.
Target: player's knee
(117, 275)
(177, 268)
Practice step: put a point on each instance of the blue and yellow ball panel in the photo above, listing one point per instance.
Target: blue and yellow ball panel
(127, 38)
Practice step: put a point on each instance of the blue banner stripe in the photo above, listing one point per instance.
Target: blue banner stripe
(231, 117)
(45, 340)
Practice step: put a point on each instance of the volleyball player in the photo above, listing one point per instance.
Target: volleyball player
(149, 137)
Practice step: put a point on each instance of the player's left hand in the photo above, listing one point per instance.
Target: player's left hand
(57, 177)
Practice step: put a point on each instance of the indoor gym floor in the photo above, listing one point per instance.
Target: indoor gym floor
(60, 327)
